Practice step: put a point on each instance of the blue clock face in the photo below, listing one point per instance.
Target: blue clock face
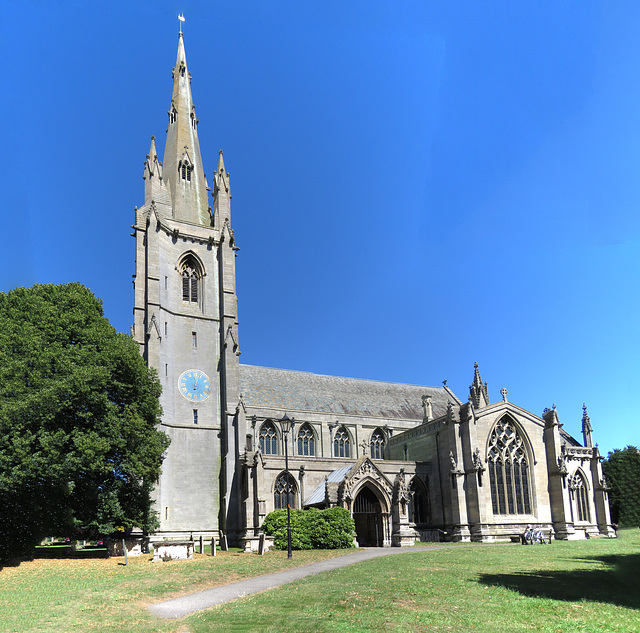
(194, 385)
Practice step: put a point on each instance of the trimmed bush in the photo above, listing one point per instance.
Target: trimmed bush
(332, 528)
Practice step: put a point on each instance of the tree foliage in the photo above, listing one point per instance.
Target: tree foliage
(79, 448)
(332, 528)
(622, 470)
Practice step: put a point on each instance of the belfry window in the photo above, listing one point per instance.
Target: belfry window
(268, 439)
(508, 470)
(190, 282)
(341, 443)
(377, 444)
(306, 441)
(579, 492)
(283, 491)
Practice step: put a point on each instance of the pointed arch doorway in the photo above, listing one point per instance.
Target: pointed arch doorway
(367, 515)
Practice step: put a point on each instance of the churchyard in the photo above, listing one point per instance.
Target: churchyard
(560, 588)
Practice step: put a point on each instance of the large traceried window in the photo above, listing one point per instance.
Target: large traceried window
(508, 470)
(579, 490)
(284, 489)
(341, 443)
(306, 441)
(377, 444)
(268, 439)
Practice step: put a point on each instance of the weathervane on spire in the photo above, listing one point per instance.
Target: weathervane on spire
(181, 19)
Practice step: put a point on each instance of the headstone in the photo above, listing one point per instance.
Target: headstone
(261, 545)
(224, 546)
(201, 545)
(213, 546)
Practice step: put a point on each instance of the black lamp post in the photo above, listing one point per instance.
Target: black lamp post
(287, 425)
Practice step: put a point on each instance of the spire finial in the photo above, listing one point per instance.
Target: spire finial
(587, 430)
(181, 20)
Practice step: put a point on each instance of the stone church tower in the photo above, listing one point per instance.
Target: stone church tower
(185, 320)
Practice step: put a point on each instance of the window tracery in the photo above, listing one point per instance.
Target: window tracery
(508, 470)
(284, 489)
(579, 489)
(377, 444)
(190, 281)
(341, 443)
(268, 439)
(306, 441)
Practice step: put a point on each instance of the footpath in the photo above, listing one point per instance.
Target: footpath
(185, 605)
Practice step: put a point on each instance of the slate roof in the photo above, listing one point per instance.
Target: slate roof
(287, 390)
(318, 495)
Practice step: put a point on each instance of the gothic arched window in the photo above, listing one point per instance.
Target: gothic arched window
(306, 441)
(268, 439)
(579, 490)
(190, 281)
(377, 444)
(284, 489)
(508, 470)
(341, 443)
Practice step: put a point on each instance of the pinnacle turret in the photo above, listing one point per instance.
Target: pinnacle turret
(587, 431)
(183, 171)
(478, 392)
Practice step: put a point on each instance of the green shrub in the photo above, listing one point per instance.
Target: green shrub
(332, 528)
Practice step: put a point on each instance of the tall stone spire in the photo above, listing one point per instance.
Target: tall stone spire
(478, 392)
(182, 168)
(587, 431)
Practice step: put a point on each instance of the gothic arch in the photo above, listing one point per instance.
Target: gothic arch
(192, 272)
(510, 465)
(306, 441)
(370, 511)
(269, 438)
(383, 496)
(281, 489)
(377, 444)
(579, 487)
(342, 443)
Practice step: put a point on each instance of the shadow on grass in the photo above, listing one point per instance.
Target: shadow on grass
(614, 581)
(69, 552)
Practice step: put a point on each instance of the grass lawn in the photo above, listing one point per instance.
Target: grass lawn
(589, 586)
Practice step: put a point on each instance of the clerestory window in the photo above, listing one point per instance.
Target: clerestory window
(268, 439)
(377, 444)
(341, 443)
(306, 441)
(508, 470)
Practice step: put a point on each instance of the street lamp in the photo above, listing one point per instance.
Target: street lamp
(287, 425)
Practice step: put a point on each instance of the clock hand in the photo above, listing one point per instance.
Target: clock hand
(195, 382)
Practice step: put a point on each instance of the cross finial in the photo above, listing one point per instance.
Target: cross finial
(503, 393)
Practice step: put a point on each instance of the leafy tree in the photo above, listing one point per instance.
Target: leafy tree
(622, 470)
(79, 447)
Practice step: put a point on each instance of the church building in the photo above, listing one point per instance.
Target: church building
(408, 461)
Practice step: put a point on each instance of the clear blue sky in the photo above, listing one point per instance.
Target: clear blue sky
(416, 185)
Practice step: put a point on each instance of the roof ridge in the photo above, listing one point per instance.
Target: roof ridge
(311, 373)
